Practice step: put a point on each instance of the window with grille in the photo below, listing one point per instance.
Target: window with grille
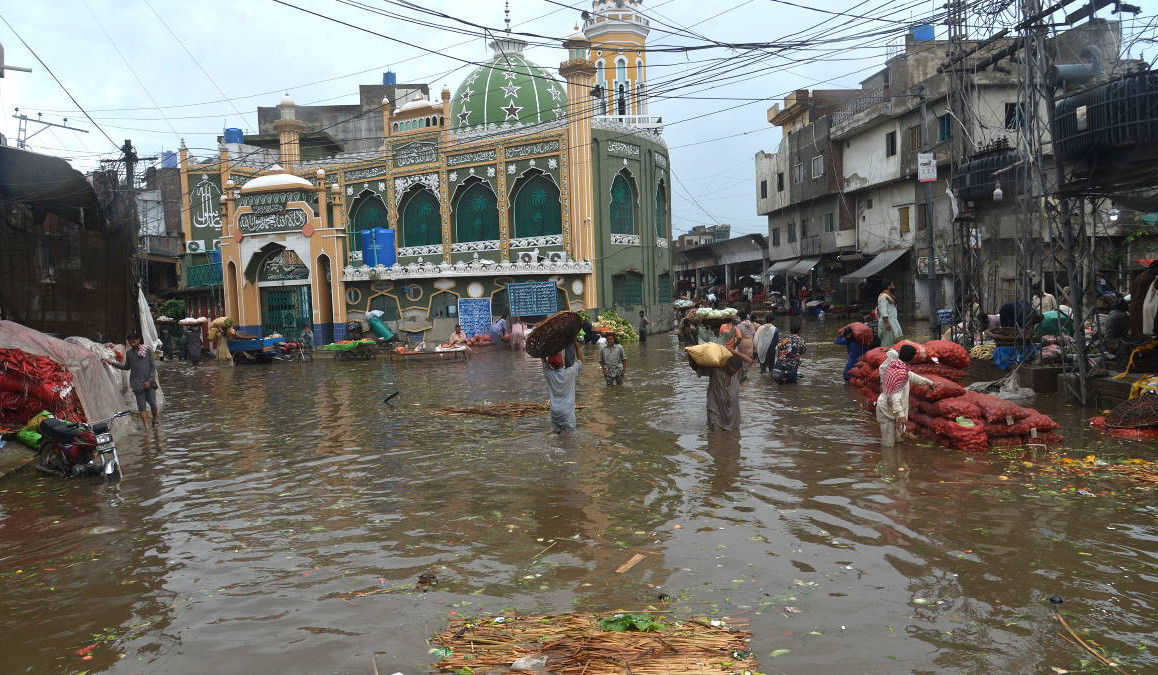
(818, 166)
(791, 232)
(903, 217)
(829, 222)
(1014, 116)
(890, 144)
(944, 128)
(661, 211)
(368, 213)
(627, 289)
(622, 206)
(537, 211)
(421, 222)
(663, 288)
(476, 214)
(915, 137)
(763, 189)
(776, 236)
(798, 173)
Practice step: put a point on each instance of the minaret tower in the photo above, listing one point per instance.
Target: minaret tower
(617, 30)
(579, 73)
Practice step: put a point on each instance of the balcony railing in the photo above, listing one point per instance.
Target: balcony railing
(162, 245)
(199, 276)
(649, 122)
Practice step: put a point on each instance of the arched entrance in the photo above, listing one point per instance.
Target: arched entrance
(325, 331)
(283, 280)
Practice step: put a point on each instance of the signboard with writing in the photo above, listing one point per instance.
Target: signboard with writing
(926, 167)
(283, 266)
(273, 202)
(532, 149)
(204, 206)
(533, 298)
(474, 315)
(415, 153)
(624, 149)
(363, 174)
(472, 158)
(291, 220)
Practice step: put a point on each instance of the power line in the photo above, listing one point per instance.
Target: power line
(54, 77)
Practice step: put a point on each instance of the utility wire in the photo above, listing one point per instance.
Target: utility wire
(54, 77)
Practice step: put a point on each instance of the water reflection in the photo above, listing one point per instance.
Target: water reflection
(280, 517)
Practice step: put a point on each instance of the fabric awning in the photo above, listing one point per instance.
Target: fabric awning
(874, 266)
(803, 266)
(782, 265)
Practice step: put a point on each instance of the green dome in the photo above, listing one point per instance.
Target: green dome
(506, 91)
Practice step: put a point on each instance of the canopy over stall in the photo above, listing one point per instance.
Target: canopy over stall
(803, 266)
(874, 266)
(782, 266)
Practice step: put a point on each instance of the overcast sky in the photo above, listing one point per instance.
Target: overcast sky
(251, 51)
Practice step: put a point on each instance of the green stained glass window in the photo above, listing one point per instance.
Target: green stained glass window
(660, 212)
(476, 214)
(421, 224)
(369, 212)
(627, 290)
(537, 211)
(622, 206)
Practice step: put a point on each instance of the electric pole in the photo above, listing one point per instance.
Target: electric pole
(927, 187)
(22, 134)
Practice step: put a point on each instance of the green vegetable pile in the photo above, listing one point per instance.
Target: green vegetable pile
(621, 623)
(611, 321)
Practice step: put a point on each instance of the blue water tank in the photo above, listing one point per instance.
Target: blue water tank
(389, 77)
(168, 160)
(215, 256)
(378, 247)
(234, 135)
(923, 33)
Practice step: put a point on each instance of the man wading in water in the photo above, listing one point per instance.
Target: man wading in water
(561, 371)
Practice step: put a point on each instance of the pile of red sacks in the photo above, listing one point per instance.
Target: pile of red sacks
(947, 413)
(31, 383)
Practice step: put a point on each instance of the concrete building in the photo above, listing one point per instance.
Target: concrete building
(866, 143)
(703, 234)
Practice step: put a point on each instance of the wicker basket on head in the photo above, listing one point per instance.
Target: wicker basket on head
(553, 334)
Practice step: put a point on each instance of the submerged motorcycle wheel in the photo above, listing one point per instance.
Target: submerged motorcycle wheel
(50, 459)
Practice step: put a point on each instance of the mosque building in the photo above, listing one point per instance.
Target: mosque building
(524, 191)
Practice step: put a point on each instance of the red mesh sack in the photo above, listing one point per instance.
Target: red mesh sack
(945, 389)
(860, 332)
(922, 353)
(1005, 441)
(920, 418)
(995, 409)
(948, 353)
(1035, 420)
(867, 393)
(955, 407)
(969, 438)
(1001, 430)
(875, 357)
(926, 407)
(1052, 437)
(947, 372)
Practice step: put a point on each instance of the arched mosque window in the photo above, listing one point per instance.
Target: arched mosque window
(421, 224)
(368, 212)
(661, 211)
(476, 213)
(536, 208)
(622, 205)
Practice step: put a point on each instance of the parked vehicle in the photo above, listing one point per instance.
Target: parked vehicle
(75, 449)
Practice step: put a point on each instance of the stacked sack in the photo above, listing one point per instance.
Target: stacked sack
(947, 413)
(30, 384)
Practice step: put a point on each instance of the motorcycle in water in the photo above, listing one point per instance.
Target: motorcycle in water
(75, 449)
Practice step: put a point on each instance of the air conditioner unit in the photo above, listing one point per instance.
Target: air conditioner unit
(195, 246)
(557, 256)
(527, 257)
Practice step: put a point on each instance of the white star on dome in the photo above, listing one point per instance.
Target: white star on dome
(558, 113)
(466, 94)
(464, 117)
(510, 89)
(510, 74)
(511, 110)
(470, 80)
(555, 92)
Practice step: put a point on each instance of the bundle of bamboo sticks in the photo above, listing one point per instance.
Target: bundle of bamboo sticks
(574, 644)
(501, 410)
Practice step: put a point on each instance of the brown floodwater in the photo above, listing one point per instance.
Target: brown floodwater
(279, 518)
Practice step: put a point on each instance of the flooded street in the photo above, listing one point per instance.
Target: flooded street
(278, 521)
